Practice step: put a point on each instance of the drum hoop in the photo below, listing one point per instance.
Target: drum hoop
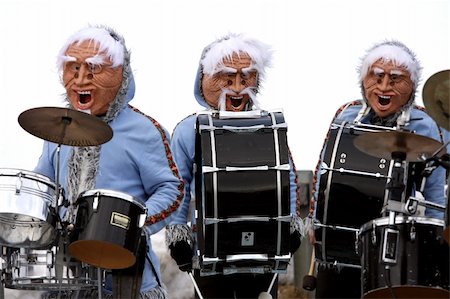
(13, 172)
(384, 221)
(113, 193)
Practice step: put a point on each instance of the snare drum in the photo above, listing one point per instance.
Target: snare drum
(352, 191)
(242, 193)
(406, 259)
(27, 214)
(45, 270)
(108, 228)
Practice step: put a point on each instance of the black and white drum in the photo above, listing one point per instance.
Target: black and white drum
(108, 228)
(352, 191)
(27, 213)
(407, 258)
(48, 270)
(242, 192)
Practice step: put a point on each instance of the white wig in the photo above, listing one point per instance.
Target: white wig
(395, 52)
(105, 38)
(224, 48)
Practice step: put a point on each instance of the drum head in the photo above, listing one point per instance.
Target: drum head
(102, 254)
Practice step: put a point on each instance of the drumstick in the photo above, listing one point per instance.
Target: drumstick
(195, 285)
(309, 281)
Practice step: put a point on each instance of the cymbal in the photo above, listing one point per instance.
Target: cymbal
(65, 126)
(436, 98)
(382, 144)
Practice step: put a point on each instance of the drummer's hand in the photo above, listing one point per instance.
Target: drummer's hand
(181, 252)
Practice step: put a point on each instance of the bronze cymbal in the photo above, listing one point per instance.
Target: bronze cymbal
(65, 126)
(382, 144)
(436, 98)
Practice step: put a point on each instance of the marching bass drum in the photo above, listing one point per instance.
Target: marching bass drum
(27, 214)
(352, 191)
(242, 193)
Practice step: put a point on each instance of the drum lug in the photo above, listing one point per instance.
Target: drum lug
(374, 235)
(49, 259)
(19, 183)
(142, 218)
(95, 203)
(412, 233)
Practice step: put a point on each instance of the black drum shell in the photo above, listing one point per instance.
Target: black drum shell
(96, 230)
(348, 196)
(422, 259)
(242, 195)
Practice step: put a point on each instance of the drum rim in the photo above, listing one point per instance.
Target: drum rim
(40, 177)
(400, 219)
(113, 193)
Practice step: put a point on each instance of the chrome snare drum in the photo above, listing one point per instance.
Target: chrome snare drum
(48, 270)
(27, 214)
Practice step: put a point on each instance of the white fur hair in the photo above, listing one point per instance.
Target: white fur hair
(224, 48)
(395, 52)
(112, 45)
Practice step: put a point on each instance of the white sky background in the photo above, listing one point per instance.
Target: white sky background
(317, 46)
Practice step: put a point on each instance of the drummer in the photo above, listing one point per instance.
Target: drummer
(389, 75)
(229, 77)
(96, 73)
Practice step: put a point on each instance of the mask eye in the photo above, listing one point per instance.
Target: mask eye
(94, 68)
(73, 66)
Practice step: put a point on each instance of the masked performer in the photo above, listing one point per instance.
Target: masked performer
(137, 161)
(389, 75)
(229, 76)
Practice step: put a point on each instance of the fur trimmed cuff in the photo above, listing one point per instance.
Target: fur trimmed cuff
(309, 224)
(298, 225)
(178, 232)
(155, 293)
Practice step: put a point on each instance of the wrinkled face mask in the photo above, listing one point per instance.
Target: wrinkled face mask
(89, 78)
(231, 87)
(387, 88)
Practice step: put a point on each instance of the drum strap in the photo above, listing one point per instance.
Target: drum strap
(127, 282)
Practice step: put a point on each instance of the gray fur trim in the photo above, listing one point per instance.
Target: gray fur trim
(178, 232)
(82, 167)
(195, 262)
(308, 224)
(155, 293)
(298, 225)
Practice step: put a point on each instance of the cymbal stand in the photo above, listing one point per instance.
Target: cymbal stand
(59, 198)
(396, 185)
(65, 120)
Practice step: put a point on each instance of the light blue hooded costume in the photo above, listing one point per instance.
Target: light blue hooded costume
(136, 161)
(183, 147)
